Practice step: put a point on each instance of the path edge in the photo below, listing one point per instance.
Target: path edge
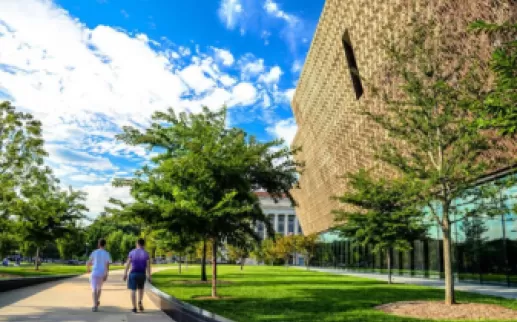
(178, 310)
(21, 282)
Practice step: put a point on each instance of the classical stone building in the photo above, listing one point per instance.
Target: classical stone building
(335, 138)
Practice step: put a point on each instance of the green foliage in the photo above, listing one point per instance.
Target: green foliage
(306, 246)
(500, 109)
(431, 119)
(386, 216)
(201, 182)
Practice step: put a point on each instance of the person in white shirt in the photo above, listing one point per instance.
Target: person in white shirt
(100, 259)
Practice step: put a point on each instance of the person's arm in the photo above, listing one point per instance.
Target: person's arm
(149, 270)
(127, 266)
(89, 264)
(107, 269)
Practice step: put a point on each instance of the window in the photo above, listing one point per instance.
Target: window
(352, 65)
(260, 230)
(290, 224)
(281, 224)
(300, 229)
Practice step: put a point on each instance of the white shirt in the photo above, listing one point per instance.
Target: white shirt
(100, 258)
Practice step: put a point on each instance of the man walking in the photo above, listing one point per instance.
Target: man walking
(139, 261)
(100, 260)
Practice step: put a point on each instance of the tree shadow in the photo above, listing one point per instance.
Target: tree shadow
(106, 313)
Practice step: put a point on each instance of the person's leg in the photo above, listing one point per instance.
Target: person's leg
(131, 284)
(95, 287)
(133, 298)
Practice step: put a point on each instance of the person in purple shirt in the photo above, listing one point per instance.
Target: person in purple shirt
(140, 263)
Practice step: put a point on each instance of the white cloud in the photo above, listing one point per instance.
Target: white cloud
(230, 12)
(297, 66)
(273, 76)
(243, 94)
(285, 129)
(251, 67)
(227, 80)
(62, 155)
(99, 195)
(289, 94)
(225, 56)
(195, 78)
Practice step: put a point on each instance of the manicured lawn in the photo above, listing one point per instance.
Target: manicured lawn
(46, 269)
(260, 294)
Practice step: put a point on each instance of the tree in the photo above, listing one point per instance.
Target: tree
(306, 246)
(203, 179)
(386, 215)
(46, 213)
(284, 248)
(269, 251)
(499, 109)
(433, 135)
(175, 243)
(21, 150)
(240, 247)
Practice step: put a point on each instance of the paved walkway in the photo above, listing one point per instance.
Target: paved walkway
(70, 300)
(493, 290)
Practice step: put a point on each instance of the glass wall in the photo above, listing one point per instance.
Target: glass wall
(290, 224)
(483, 251)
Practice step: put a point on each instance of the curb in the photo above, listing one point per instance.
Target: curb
(180, 311)
(20, 282)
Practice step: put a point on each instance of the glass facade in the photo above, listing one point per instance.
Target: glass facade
(483, 251)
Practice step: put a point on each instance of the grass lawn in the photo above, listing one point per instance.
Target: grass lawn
(46, 269)
(261, 293)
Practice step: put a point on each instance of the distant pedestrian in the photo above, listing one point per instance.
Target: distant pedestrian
(100, 259)
(139, 261)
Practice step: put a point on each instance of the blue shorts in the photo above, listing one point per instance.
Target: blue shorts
(136, 281)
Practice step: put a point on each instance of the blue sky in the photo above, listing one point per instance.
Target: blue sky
(87, 68)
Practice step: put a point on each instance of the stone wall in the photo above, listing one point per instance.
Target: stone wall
(334, 137)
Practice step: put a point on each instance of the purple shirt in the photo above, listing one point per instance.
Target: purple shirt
(139, 258)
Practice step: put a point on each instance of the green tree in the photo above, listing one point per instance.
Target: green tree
(203, 179)
(240, 247)
(284, 248)
(269, 251)
(47, 213)
(114, 245)
(21, 150)
(431, 122)
(178, 244)
(306, 246)
(499, 110)
(386, 215)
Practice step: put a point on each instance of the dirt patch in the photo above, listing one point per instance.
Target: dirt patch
(211, 298)
(438, 310)
(197, 282)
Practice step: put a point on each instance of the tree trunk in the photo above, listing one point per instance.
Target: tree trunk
(307, 262)
(37, 258)
(179, 267)
(388, 263)
(242, 263)
(214, 268)
(186, 262)
(203, 263)
(447, 261)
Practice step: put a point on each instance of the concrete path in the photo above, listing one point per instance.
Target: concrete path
(70, 300)
(493, 290)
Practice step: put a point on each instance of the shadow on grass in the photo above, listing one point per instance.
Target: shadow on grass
(328, 304)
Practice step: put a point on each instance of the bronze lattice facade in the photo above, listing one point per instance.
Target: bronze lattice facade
(334, 137)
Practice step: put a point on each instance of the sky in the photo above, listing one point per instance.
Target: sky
(87, 68)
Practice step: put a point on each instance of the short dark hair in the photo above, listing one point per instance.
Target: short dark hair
(102, 242)
(141, 242)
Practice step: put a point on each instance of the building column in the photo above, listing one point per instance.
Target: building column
(275, 222)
